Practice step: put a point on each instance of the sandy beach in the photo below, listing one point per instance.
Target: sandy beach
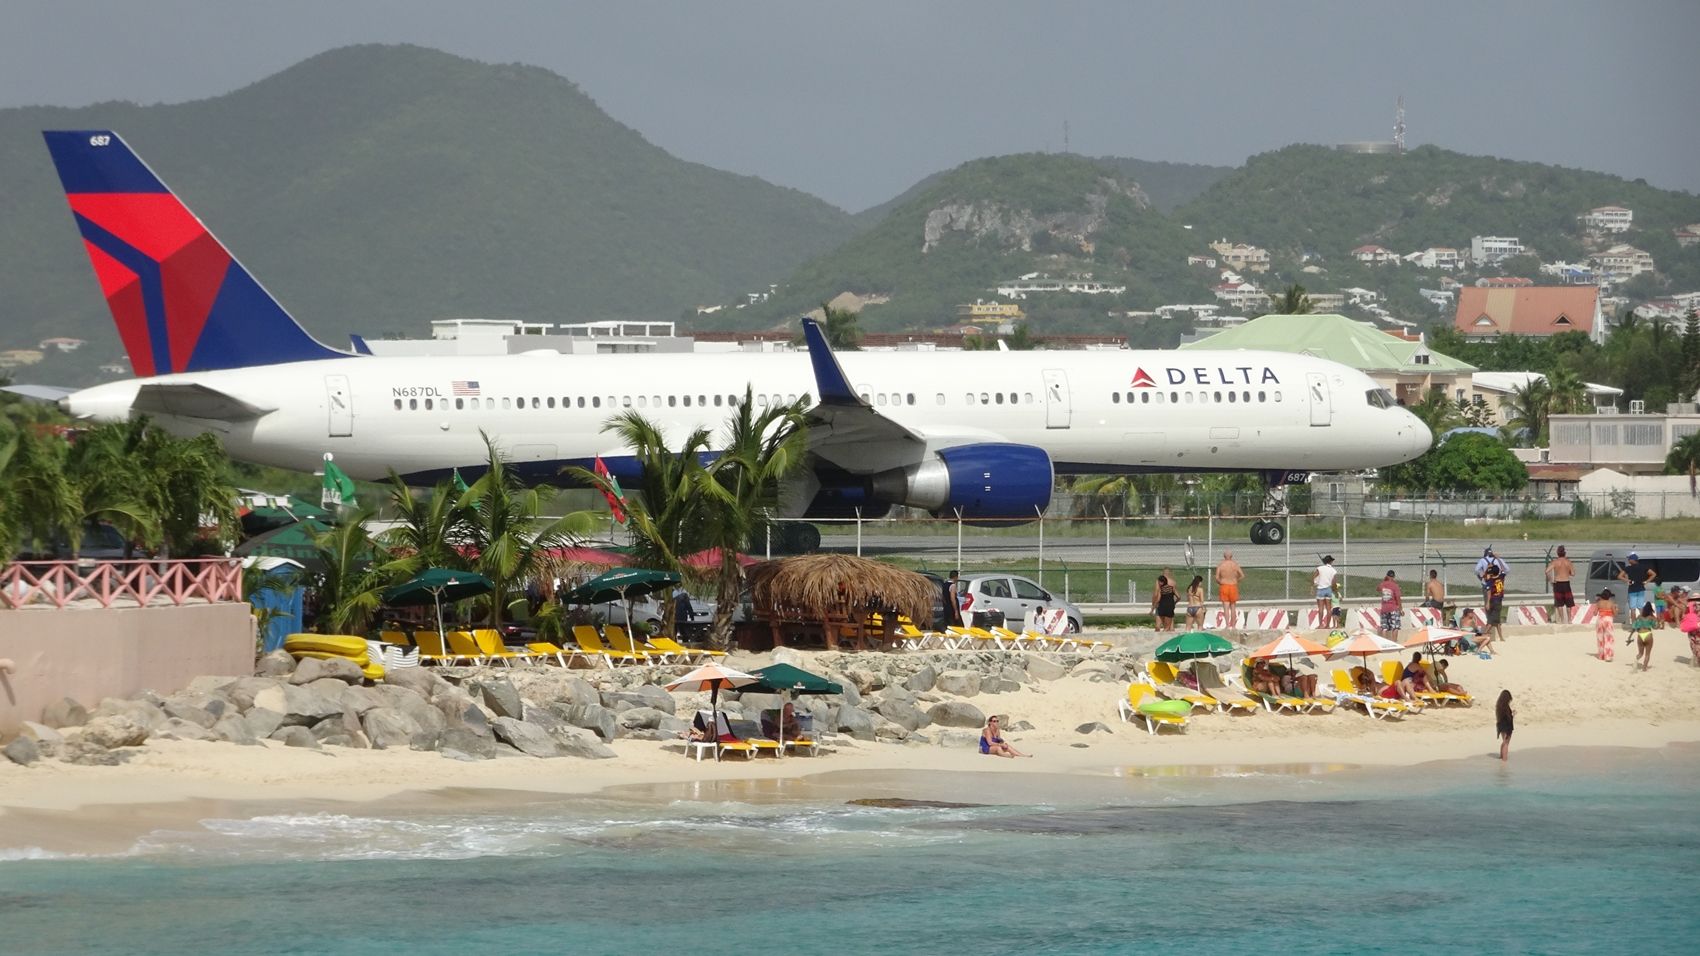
(1564, 697)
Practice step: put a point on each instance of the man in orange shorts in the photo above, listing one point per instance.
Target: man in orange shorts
(1229, 574)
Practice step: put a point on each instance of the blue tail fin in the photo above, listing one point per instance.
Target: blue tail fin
(181, 302)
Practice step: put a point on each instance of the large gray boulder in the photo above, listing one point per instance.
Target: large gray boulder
(110, 732)
(577, 742)
(233, 728)
(241, 692)
(176, 728)
(592, 717)
(337, 725)
(959, 683)
(463, 744)
(854, 721)
(22, 751)
(47, 740)
(262, 723)
(357, 699)
(421, 680)
(889, 731)
(644, 695)
(956, 713)
(902, 712)
(528, 739)
(1043, 668)
(147, 714)
(178, 708)
(756, 703)
(63, 713)
(300, 706)
(501, 697)
(1015, 673)
(922, 680)
(279, 663)
(851, 695)
(389, 729)
(640, 718)
(576, 691)
(296, 735)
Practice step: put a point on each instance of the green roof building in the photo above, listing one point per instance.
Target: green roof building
(1406, 367)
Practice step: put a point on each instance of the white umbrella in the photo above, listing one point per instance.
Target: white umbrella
(712, 677)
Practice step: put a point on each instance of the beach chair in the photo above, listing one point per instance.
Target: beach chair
(802, 740)
(962, 638)
(432, 651)
(1230, 699)
(1378, 707)
(669, 646)
(1137, 709)
(1453, 696)
(1282, 702)
(463, 644)
(1004, 637)
(619, 640)
(1392, 671)
(590, 644)
(492, 646)
(721, 742)
(398, 638)
(748, 732)
(1165, 679)
(563, 656)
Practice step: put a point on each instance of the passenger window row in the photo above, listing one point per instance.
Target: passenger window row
(1156, 397)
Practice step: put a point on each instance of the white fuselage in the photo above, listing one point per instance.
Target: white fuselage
(1092, 412)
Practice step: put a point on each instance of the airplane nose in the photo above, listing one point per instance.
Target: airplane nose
(1418, 437)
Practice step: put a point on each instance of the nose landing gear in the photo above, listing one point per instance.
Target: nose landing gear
(1270, 529)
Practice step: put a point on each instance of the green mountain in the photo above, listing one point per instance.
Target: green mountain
(1327, 202)
(374, 188)
(959, 233)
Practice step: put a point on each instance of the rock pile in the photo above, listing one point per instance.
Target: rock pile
(482, 713)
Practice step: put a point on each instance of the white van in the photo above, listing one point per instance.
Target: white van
(1671, 564)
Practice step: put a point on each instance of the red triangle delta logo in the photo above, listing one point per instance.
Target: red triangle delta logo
(1142, 379)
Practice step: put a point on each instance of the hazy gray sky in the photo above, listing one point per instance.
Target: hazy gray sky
(855, 102)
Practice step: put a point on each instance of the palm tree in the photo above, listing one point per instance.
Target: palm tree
(431, 528)
(842, 329)
(1567, 393)
(1292, 301)
(1527, 410)
(1437, 412)
(37, 501)
(1684, 459)
(740, 489)
(357, 570)
(508, 530)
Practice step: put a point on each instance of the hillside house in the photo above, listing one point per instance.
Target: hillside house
(1688, 235)
(1504, 282)
(1238, 255)
(1494, 248)
(1485, 314)
(1608, 219)
(1435, 257)
(1622, 262)
(1242, 295)
(995, 313)
(1208, 262)
(1375, 255)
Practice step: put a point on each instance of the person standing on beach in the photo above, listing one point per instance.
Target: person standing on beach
(1323, 583)
(1195, 603)
(1434, 591)
(1495, 609)
(953, 600)
(1489, 561)
(1229, 574)
(1642, 627)
(1392, 607)
(1637, 576)
(1559, 572)
(1503, 717)
(1604, 608)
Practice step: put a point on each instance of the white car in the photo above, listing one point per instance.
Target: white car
(1013, 596)
(649, 612)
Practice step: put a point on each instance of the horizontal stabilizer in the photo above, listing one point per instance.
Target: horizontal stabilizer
(194, 401)
(38, 393)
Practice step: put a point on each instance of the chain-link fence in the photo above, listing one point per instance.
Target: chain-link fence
(1115, 559)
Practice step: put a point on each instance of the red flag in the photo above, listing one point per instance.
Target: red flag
(616, 497)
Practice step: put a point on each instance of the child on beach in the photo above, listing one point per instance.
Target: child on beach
(1690, 625)
(1502, 716)
(1642, 629)
(1604, 609)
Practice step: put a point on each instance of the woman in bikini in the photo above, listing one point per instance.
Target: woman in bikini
(991, 743)
(1195, 603)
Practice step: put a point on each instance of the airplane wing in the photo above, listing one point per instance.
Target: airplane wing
(38, 393)
(843, 428)
(194, 401)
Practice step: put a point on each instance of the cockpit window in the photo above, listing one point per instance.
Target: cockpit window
(1380, 398)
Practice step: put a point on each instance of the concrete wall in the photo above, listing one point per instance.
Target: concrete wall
(1654, 496)
(89, 653)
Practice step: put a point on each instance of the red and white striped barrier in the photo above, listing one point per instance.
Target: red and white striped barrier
(1424, 616)
(1312, 619)
(1216, 619)
(1267, 619)
(1528, 614)
(1583, 615)
(1367, 618)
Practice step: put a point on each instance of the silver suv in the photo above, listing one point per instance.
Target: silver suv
(1014, 596)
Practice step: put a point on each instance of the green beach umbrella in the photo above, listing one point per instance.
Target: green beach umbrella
(1193, 645)
(293, 541)
(435, 585)
(788, 680)
(621, 584)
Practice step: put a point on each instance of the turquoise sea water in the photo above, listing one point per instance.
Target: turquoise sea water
(1568, 851)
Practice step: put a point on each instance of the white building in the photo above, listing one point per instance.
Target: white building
(1435, 257)
(1033, 285)
(1622, 262)
(1375, 255)
(1494, 248)
(1242, 256)
(1570, 273)
(1687, 235)
(1608, 219)
(1242, 295)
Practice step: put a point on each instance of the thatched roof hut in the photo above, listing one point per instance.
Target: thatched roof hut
(837, 586)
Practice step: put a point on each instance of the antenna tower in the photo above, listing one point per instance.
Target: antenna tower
(1399, 126)
(1065, 136)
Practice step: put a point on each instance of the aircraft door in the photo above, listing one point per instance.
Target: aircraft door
(1058, 410)
(1321, 408)
(341, 406)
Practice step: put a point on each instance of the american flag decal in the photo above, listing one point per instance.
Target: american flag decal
(463, 389)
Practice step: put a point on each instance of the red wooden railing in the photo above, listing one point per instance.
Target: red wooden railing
(59, 584)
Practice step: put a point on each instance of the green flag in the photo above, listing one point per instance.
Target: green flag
(338, 488)
(460, 483)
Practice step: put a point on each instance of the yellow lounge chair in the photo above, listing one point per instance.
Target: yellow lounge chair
(915, 639)
(490, 643)
(619, 640)
(724, 741)
(1139, 693)
(398, 638)
(1392, 671)
(670, 646)
(1453, 696)
(750, 733)
(546, 650)
(1163, 676)
(1378, 707)
(1030, 640)
(1284, 702)
(432, 651)
(590, 643)
(463, 643)
(1230, 698)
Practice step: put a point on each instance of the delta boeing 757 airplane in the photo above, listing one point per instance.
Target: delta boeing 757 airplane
(975, 434)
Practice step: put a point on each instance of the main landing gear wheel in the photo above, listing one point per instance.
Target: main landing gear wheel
(1267, 532)
(797, 538)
